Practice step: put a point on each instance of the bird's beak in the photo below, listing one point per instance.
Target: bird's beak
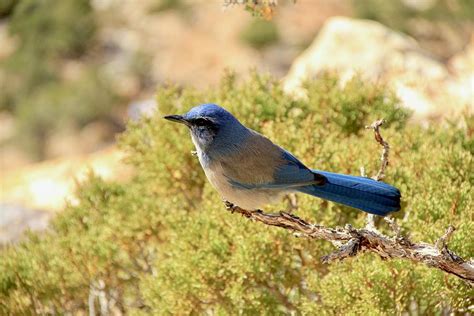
(176, 118)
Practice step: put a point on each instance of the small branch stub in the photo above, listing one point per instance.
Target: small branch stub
(349, 249)
(442, 241)
(375, 126)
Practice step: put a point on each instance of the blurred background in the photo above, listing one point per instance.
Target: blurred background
(73, 72)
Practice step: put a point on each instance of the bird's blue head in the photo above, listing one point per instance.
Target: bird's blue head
(213, 129)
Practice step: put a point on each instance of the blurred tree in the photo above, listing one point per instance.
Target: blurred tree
(35, 86)
(260, 33)
(444, 26)
(52, 28)
(164, 5)
(57, 105)
(397, 14)
(6, 7)
(47, 31)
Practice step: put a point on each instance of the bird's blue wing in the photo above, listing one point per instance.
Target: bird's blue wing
(288, 173)
(293, 172)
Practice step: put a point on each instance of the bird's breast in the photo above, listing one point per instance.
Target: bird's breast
(249, 199)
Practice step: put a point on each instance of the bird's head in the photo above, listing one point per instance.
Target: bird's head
(212, 127)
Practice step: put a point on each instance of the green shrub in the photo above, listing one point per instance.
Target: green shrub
(6, 7)
(165, 5)
(162, 243)
(399, 14)
(50, 33)
(57, 105)
(260, 33)
(53, 28)
(46, 31)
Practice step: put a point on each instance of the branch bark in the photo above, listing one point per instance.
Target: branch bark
(369, 239)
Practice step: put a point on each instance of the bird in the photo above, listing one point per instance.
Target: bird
(250, 171)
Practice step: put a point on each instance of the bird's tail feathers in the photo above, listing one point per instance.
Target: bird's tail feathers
(362, 193)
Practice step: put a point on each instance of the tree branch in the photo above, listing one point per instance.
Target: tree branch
(369, 239)
(365, 240)
(386, 148)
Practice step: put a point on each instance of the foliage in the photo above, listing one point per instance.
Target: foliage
(162, 243)
(397, 14)
(51, 28)
(34, 84)
(6, 7)
(165, 5)
(260, 33)
(260, 8)
(57, 105)
(46, 31)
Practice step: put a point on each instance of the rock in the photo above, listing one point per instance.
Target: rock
(143, 108)
(352, 46)
(16, 219)
(92, 137)
(29, 196)
(51, 184)
(462, 67)
(7, 43)
(11, 157)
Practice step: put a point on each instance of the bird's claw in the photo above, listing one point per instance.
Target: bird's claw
(234, 208)
(229, 206)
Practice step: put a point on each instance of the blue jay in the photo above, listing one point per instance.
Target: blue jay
(250, 171)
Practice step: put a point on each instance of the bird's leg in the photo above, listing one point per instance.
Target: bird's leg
(292, 202)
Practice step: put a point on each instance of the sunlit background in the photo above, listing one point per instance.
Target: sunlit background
(73, 72)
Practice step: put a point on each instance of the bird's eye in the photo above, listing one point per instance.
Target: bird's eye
(202, 122)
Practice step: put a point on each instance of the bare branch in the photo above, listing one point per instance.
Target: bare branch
(349, 249)
(362, 172)
(394, 226)
(442, 241)
(370, 222)
(375, 126)
(351, 241)
(386, 148)
(365, 240)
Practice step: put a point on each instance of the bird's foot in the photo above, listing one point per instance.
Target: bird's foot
(292, 202)
(229, 206)
(234, 208)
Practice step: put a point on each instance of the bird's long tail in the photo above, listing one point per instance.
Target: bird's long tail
(362, 193)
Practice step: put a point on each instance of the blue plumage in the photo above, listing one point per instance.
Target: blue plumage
(362, 193)
(247, 169)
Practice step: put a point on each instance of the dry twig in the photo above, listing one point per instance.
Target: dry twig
(386, 148)
(369, 239)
